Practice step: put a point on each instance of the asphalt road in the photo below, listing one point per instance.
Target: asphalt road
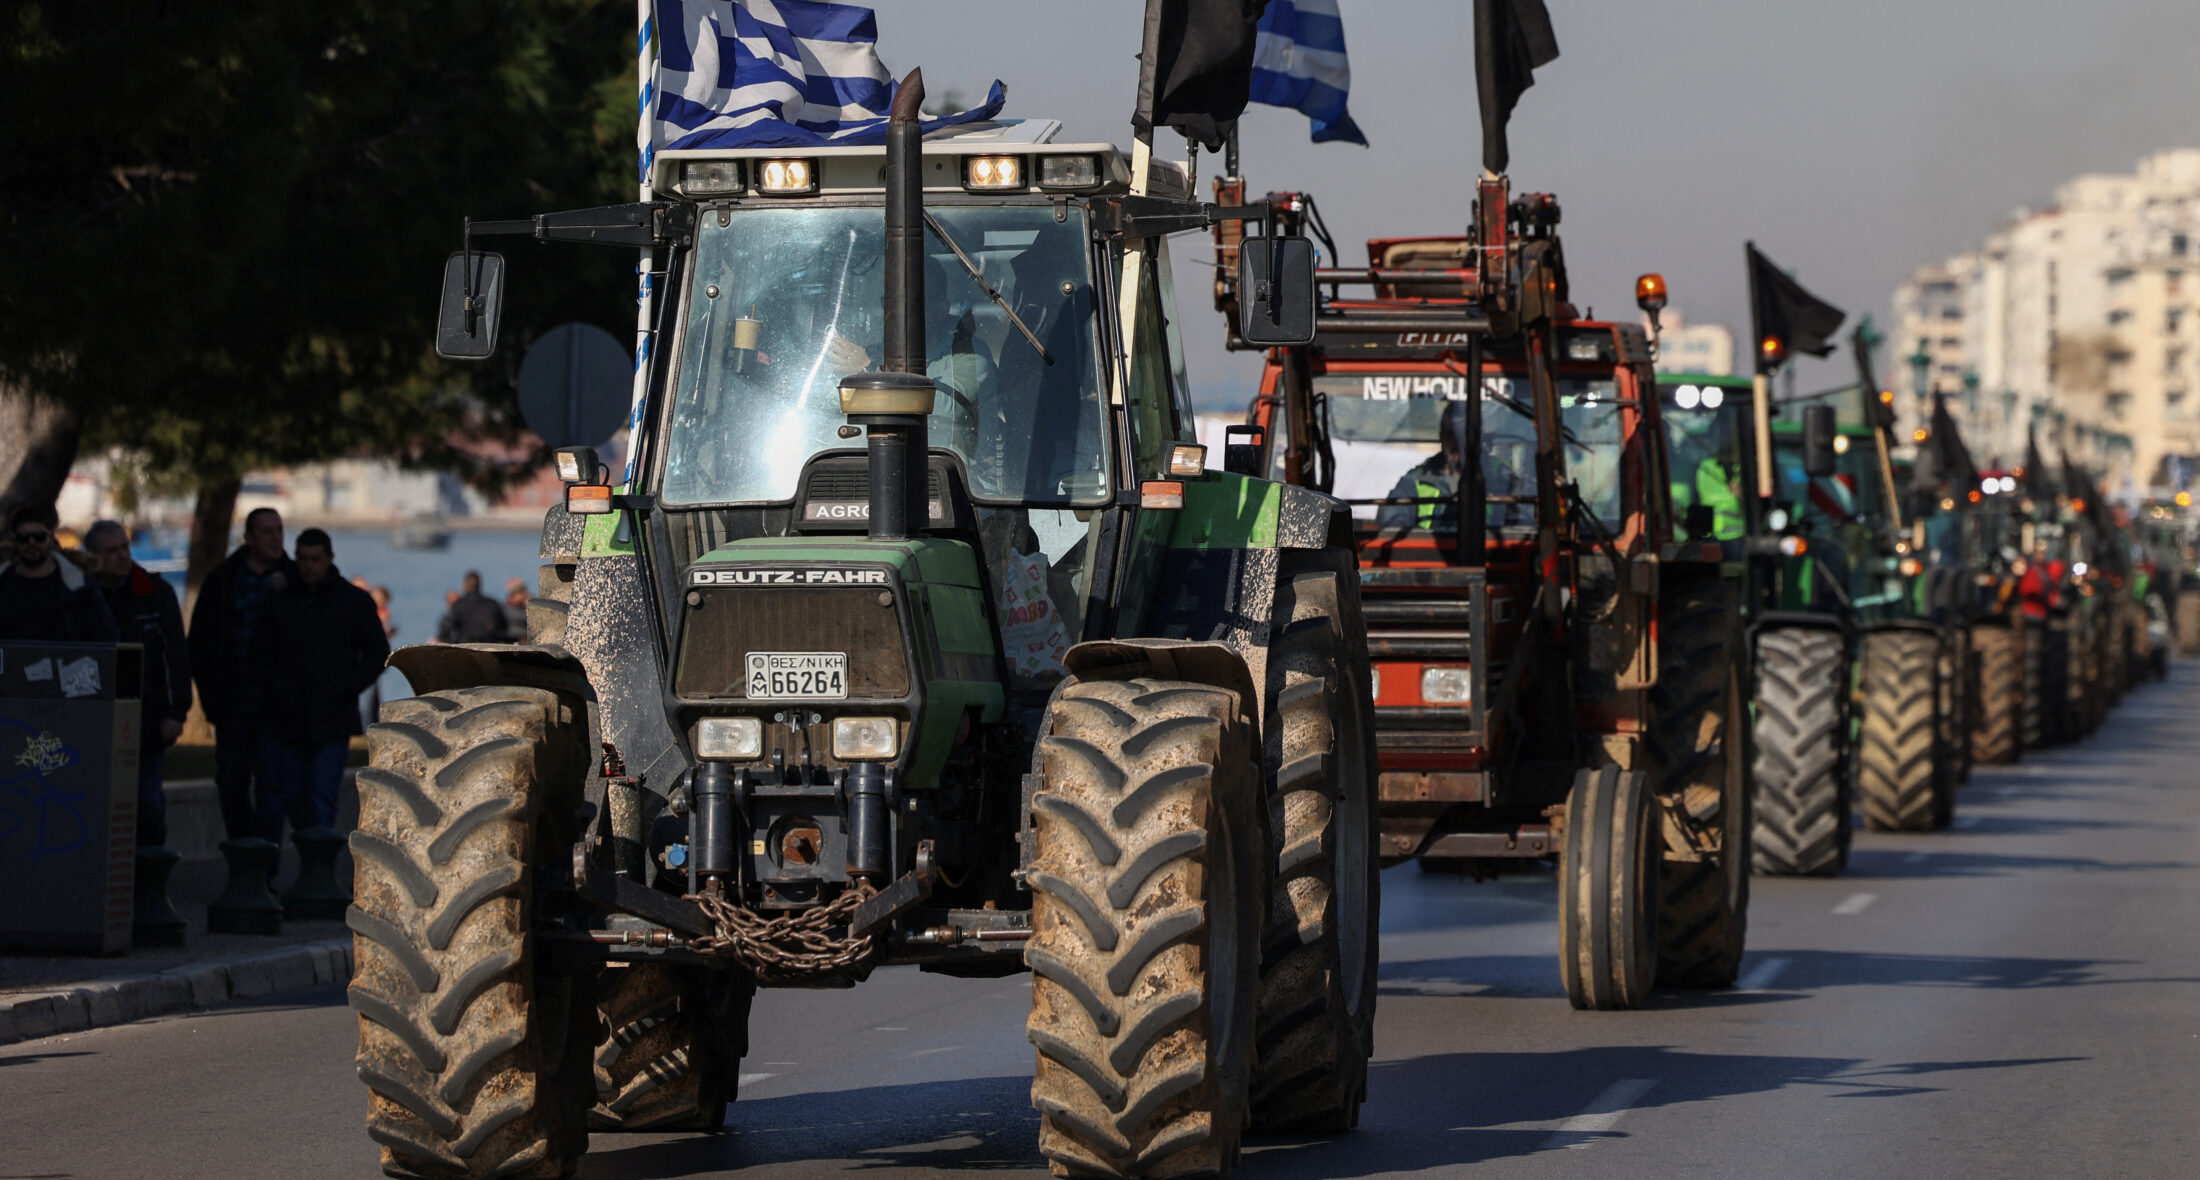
(2018, 996)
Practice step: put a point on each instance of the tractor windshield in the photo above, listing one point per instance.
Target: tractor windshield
(1703, 434)
(1398, 464)
(786, 300)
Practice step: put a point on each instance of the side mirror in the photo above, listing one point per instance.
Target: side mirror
(1241, 449)
(1818, 431)
(1276, 291)
(472, 307)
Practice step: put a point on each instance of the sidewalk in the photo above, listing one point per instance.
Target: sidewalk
(45, 994)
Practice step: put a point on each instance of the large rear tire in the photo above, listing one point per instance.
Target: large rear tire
(670, 1055)
(2057, 717)
(1150, 890)
(1607, 892)
(1994, 740)
(1315, 1024)
(475, 1057)
(1699, 757)
(1801, 734)
(1958, 673)
(2188, 622)
(1897, 785)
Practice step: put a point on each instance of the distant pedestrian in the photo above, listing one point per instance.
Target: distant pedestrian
(319, 645)
(43, 596)
(231, 601)
(474, 617)
(146, 613)
(444, 625)
(515, 609)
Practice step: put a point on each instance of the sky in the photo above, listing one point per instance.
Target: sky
(1852, 141)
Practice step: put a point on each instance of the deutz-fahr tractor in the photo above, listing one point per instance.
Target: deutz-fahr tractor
(1801, 569)
(1557, 674)
(917, 633)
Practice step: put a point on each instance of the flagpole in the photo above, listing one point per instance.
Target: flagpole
(1761, 386)
(645, 295)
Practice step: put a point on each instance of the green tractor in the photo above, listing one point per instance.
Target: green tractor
(916, 633)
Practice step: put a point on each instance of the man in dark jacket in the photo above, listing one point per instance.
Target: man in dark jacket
(319, 645)
(475, 617)
(230, 603)
(146, 613)
(44, 597)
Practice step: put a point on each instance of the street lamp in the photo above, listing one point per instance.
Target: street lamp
(1921, 369)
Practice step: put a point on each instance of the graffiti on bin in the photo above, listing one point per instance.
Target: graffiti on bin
(39, 817)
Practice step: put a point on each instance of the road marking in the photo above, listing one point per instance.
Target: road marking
(1965, 821)
(1856, 903)
(750, 1079)
(1917, 858)
(1601, 1115)
(888, 1028)
(1761, 976)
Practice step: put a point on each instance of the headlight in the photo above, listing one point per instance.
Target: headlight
(698, 177)
(1910, 567)
(865, 739)
(1068, 172)
(1185, 460)
(1446, 686)
(1793, 546)
(729, 739)
(1713, 397)
(1687, 397)
(987, 173)
(787, 178)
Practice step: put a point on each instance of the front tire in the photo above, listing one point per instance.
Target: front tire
(1315, 1024)
(1150, 889)
(1802, 809)
(1607, 899)
(1897, 784)
(475, 1057)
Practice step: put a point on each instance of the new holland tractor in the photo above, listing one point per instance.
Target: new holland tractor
(1558, 672)
(917, 633)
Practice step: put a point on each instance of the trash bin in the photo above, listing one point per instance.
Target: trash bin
(69, 720)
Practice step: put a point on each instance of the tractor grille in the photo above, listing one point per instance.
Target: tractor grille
(1416, 628)
(722, 625)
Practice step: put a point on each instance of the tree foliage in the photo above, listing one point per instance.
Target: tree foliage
(224, 226)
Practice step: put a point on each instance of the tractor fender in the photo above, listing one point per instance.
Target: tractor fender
(436, 667)
(1167, 659)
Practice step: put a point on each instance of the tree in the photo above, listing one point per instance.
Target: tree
(224, 233)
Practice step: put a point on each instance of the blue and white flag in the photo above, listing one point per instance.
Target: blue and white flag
(775, 73)
(1299, 63)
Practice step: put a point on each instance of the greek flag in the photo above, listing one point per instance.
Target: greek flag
(1299, 63)
(774, 73)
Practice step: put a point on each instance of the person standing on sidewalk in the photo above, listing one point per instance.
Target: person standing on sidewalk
(319, 645)
(515, 610)
(146, 613)
(42, 596)
(474, 617)
(230, 603)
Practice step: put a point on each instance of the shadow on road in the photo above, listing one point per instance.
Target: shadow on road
(1940, 860)
(1811, 969)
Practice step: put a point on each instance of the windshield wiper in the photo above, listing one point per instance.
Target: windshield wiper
(971, 268)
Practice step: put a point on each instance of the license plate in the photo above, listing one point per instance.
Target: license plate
(798, 675)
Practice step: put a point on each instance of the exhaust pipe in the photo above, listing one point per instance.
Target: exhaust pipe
(893, 404)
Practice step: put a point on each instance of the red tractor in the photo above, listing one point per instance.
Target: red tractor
(1556, 676)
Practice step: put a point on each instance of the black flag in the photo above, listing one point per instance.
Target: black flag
(1787, 318)
(1943, 459)
(2036, 483)
(1196, 68)
(1879, 413)
(1512, 39)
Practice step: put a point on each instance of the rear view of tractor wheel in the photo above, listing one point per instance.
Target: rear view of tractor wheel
(2188, 622)
(1700, 760)
(1802, 789)
(673, 1039)
(1958, 673)
(1150, 891)
(1896, 783)
(2032, 711)
(2000, 694)
(1315, 1025)
(1607, 890)
(475, 1059)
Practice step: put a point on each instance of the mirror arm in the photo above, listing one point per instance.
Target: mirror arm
(1134, 217)
(644, 223)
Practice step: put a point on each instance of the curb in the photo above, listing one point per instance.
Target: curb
(193, 986)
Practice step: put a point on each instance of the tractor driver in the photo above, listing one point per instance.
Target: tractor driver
(1706, 474)
(1433, 483)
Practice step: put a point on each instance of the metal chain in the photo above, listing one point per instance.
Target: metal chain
(790, 947)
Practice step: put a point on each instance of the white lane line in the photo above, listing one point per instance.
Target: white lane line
(1761, 976)
(750, 1079)
(1917, 858)
(1964, 821)
(1855, 903)
(1601, 1115)
(889, 1028)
